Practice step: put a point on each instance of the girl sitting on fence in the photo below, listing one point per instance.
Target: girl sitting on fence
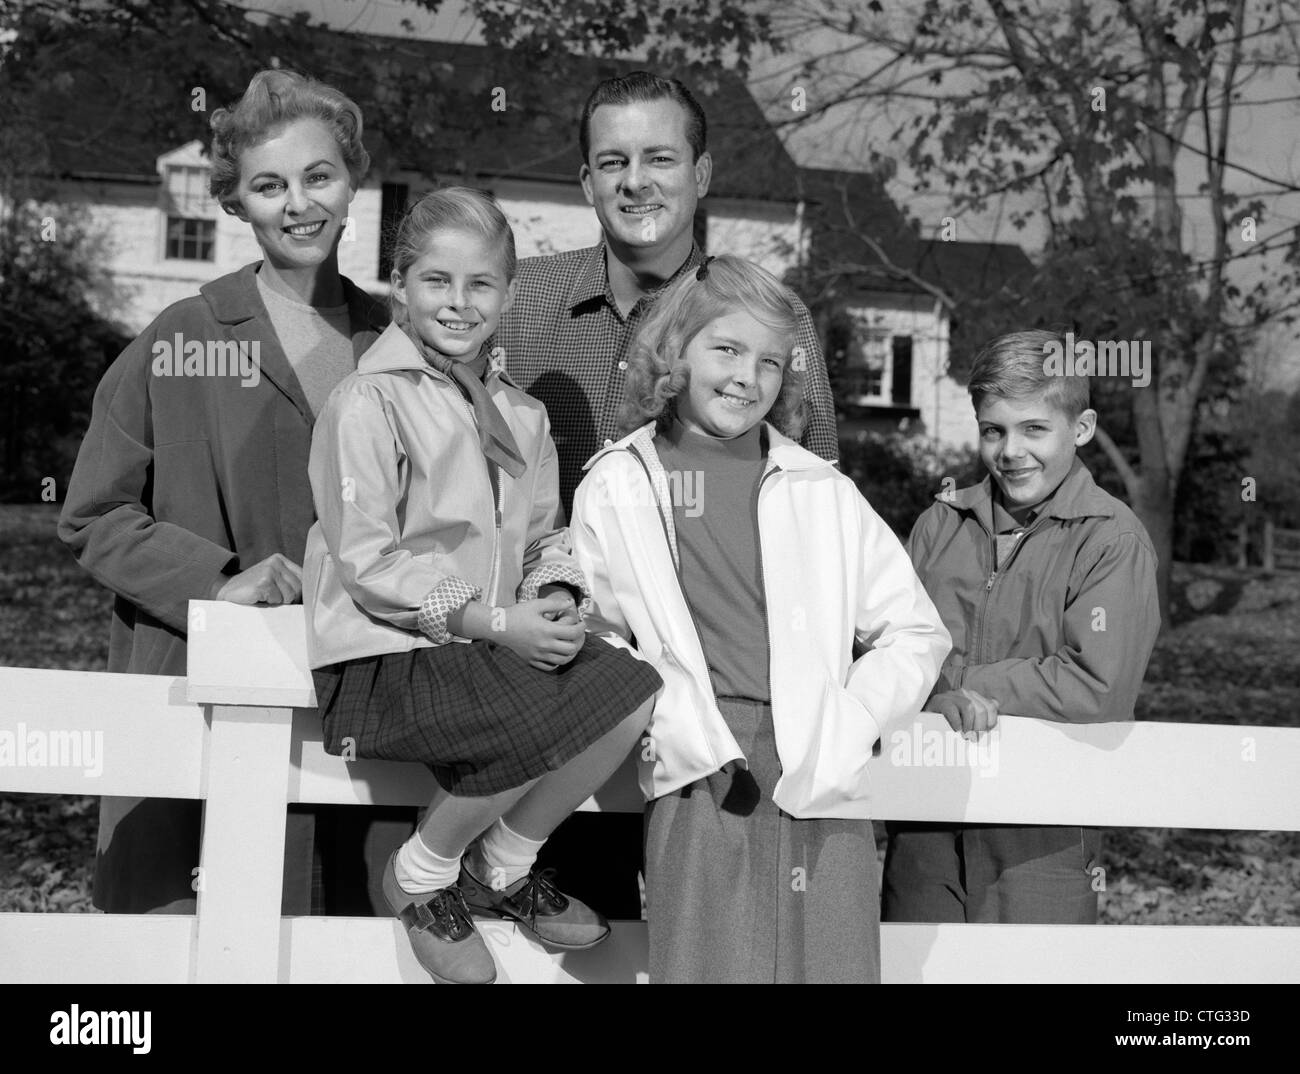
(747, 569)
(443, 603)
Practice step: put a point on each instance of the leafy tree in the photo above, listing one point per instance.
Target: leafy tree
(899, 475)
(146, 60)
(1092, 109)
(53, 345)
(73, 72)
(986, 98)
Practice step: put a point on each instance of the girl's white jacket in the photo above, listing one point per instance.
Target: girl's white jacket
(835, 578)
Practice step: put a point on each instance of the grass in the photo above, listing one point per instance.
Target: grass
(1232, 656)
(52, 615)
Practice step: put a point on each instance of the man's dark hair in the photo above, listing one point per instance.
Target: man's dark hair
(638, 87)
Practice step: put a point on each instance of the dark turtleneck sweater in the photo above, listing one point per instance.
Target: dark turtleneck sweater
(714, 487)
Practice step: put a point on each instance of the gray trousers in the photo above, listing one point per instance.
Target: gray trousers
(738, 891)
(1041, 874)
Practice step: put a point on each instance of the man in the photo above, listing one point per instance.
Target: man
(644, 169)
(645, 166)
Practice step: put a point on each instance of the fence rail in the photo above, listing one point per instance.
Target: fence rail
(1281, 548)
(240, 733)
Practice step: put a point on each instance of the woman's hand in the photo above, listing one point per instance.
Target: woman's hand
(545, 642)
(276, 580)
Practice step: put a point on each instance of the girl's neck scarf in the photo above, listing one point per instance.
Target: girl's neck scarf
(494, 435)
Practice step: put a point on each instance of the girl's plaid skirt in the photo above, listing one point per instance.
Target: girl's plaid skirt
(476, 713)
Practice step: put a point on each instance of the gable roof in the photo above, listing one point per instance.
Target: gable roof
(97, 127)
(972, 269)
(841, 206)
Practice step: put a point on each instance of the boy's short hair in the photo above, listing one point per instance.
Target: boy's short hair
(1014, 366)
(642, 87)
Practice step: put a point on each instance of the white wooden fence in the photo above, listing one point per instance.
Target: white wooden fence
(239, 733)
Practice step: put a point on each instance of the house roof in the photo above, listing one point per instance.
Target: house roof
(972, 269)
(843, 206)
(428, 108)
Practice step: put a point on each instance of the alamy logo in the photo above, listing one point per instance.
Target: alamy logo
(33, 748)
(76, 1026)
(1105, 358)
(181, 357)
(923, 748)
(671, 488)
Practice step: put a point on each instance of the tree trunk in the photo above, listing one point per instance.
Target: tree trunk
(1154, 506)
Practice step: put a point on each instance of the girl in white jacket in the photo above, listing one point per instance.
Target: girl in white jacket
(749, 573)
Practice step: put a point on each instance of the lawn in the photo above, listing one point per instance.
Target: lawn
(1232, 656)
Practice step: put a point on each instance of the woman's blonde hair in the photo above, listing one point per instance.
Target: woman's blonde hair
(272, 99)
(656, 374)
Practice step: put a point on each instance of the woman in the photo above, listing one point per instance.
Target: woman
(192, 483)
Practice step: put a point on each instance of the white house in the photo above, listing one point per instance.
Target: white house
(165, 236)
(884, 297)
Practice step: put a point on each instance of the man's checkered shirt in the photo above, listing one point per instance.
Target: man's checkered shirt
(566, 344)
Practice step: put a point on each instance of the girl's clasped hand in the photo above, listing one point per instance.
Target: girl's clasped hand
(545, 632)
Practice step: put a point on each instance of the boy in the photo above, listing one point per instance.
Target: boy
(1047, 585)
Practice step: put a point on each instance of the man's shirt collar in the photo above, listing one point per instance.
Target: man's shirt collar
(593, 281)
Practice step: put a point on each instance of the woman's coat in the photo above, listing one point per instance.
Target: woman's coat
(193, 469)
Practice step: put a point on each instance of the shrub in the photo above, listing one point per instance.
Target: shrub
(900, 475)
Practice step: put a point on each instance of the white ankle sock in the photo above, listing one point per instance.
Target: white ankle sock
(504, 856)
(419, 869)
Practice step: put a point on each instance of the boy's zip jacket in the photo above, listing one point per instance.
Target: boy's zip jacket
(1062, 630)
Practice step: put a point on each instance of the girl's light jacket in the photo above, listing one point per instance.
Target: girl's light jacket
(836, 580)
(409, 527)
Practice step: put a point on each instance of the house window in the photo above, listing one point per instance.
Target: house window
(901, 371)
(876, 367)
(191, 215)
(867, 366)
(392, 204)
(190, 240)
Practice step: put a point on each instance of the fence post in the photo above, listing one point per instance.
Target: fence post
(1242, 539)
(241, 871)
(1268, 544)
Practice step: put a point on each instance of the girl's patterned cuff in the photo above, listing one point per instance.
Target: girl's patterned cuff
(557, 574)
(446, 597)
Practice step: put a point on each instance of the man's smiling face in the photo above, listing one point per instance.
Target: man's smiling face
(641, 176)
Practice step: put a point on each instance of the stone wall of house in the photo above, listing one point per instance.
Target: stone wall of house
(547, 218)
(132, 223)
(765, 232)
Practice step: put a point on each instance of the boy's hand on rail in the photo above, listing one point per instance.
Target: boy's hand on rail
(276, 580)
(967, 712)
(544, 642)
